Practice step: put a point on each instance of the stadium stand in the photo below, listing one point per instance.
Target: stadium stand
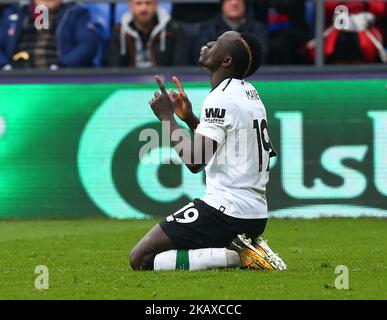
(233, 15)
(147, 37)
(357, 38)
(56, 45)
(290, 25)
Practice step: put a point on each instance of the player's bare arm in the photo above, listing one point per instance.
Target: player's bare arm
(196, 152)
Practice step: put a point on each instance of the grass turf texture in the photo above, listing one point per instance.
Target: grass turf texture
(87, 259)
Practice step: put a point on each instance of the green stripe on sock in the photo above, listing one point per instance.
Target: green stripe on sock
(182, 260)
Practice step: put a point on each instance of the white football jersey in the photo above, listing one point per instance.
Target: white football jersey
(236, 176)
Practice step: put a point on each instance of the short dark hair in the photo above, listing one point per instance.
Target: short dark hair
(247, 55)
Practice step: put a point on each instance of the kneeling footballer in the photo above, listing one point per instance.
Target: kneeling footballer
(231, 142)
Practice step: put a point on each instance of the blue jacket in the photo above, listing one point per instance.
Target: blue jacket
(77, 38)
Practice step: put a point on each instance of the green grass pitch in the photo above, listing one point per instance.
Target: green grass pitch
(87, 259)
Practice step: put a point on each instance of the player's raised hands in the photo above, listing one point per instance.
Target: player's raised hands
(183, 105)
(162, 105)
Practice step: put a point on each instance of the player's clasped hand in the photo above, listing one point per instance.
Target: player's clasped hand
(162, 104)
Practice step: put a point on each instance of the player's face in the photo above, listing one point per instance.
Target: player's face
(214, 53)
(143, 10)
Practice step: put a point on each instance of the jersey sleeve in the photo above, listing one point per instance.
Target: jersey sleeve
(218, 118)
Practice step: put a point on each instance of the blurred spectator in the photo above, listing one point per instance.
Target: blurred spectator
(233, 16)
(190, 16)
(70, 41)
(288, 30)
(148, 37)
(355, 36)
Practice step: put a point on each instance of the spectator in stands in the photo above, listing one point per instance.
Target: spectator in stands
(190, 16)
(233, 16)
(70, 40)
(288, 30)
(148, 37)
(355, 36)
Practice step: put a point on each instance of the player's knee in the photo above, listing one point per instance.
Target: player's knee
(140, 260)
(135, 259)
